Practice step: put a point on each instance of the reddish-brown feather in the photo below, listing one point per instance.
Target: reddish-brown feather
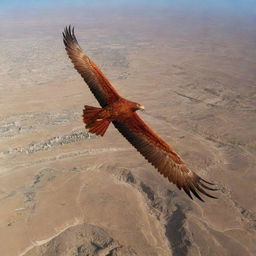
(160, 155)
(135, 123)
(93, 76)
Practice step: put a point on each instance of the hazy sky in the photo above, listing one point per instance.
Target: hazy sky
(21, 17)
(231, 6)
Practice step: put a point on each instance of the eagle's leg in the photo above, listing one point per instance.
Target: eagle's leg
(95, 120)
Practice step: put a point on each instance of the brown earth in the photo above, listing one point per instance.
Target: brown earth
(65, 192)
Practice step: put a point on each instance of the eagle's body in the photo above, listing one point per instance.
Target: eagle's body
(122, 113)
(121, 109)
(97, 120)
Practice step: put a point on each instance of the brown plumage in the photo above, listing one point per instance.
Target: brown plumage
(122, 113)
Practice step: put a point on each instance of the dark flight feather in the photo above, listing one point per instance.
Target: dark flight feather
(162, 156)
(92, 75)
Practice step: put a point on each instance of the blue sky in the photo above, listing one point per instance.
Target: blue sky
(241, 7)
(227, 4)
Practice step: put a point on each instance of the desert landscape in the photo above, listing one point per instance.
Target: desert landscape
(66, 192)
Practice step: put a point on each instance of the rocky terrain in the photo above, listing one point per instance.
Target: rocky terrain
(66, 192)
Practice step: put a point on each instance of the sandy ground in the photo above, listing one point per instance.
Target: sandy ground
(65, 192)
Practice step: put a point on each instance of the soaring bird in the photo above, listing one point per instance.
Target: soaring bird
(122, 113)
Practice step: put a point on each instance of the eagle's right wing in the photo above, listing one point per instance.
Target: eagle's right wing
(162, 156)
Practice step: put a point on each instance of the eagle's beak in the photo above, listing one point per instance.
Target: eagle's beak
(142, 107)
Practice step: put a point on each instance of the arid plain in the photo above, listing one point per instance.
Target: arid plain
(65, 192)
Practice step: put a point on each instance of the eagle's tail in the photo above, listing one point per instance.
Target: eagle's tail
(93, 121)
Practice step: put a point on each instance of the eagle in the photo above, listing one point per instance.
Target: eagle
(122, 113)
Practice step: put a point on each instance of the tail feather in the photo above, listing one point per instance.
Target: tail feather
(100, 127)
(90, 113)
(93, 123)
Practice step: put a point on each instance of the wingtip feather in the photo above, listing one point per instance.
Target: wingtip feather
(187, 192)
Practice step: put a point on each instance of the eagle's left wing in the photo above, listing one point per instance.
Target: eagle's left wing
(99, 85)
